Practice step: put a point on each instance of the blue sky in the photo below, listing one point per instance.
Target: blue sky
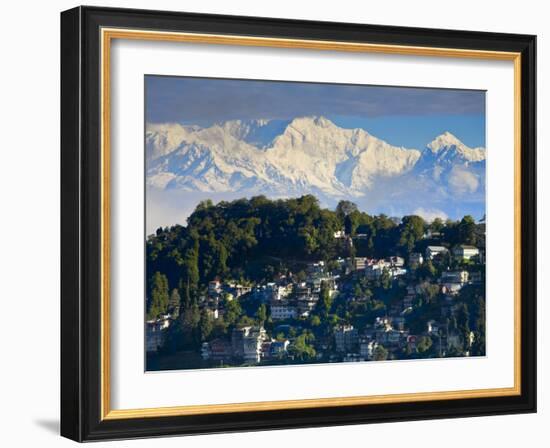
(402, 116)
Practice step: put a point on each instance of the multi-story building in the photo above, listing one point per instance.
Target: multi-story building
(465, 252)
(346, 338)
(246, 343)
(283, 309)
(156, 332)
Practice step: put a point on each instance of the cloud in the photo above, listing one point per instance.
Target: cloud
(462, 181)
(429, 214)
(203, 100)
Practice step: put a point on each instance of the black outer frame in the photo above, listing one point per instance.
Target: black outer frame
(80, 224)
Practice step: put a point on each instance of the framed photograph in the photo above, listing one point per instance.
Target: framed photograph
(276, 224)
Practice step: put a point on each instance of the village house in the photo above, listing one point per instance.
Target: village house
(246, 343)
(397, 271)
(339, 234)
(283, 309)
(451, 289)
(346, 338)
(237, 290)
(306, 306)
(382, 324)
(388, 337)
(396, 261)
(214, 288)
(357, 263)
(252, 344)
(475, 277)
(156, 332)
(301, 291)
(453, 281)
(366, 348)
(454, 277)
(465, 252)
(435, 251)
(279, 348)
(217, 350)
(375, 268)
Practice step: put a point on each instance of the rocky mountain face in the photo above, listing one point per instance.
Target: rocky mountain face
(311, 155)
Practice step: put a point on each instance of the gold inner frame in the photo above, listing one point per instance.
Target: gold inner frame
(107, 35)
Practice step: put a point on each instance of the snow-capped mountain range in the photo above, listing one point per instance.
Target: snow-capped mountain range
(311, 155)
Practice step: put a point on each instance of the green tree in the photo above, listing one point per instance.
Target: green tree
(174, 303)
(436, 225)
(411, 230)
(424, 344)
(385, 279)
(261, 314)
(467, 230)
(189, 322)
(205, 325)
(159, 296)
(344, 208)
(322, 308)
(301, 349)
(463, 324)
(233, 311)
(379, 353)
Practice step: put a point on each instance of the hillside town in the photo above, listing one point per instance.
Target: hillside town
(426, 302)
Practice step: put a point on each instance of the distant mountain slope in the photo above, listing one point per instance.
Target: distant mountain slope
(311, 155)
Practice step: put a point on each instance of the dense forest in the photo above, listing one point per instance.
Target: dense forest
(256, 239)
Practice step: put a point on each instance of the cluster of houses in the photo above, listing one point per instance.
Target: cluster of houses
(289, 299)
(248, 345)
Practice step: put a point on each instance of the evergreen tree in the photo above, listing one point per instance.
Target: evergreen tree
(261, 314)
(158, 304)
(174, 303)
(205, 325)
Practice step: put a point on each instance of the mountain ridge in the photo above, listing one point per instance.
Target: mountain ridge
(308, 155)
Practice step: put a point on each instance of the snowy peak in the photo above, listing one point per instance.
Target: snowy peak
(259, 133)
(443, 141)
(447, 146)
(306, 155)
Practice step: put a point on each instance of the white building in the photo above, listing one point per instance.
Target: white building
(464, 252)
(339, 234)
(375, 268)
(247, 343)
(252, 344)
(396, 261)
(155, 333)
(282, 309)
(454, 277)
(434, 251)
(396, 271)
